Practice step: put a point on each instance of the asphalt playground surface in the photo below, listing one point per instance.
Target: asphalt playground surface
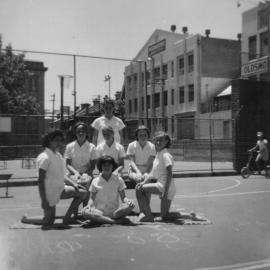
(237, 238)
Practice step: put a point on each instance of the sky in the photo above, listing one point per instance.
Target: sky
(105, 28)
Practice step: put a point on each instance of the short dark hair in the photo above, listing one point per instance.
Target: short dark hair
(107, 128)
(81, 124)
(142, 127)
(109, 101)
(48, 137)
(164, 135)
(106, 159)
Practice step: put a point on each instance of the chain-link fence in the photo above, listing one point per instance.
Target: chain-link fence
(208, 141)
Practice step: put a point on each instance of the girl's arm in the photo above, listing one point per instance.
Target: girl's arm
(124, 199)
(133, 164)
(71, 169)
(120, 166)
(150, 164)
(168, 181)
(95, 136)
(41, 188)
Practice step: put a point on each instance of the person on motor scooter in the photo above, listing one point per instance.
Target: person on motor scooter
(261, 148)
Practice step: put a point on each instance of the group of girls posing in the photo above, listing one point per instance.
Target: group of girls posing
(72, 176)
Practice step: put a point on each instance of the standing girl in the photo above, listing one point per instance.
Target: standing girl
(159, 181)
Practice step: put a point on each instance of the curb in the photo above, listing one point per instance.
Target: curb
(19, 182)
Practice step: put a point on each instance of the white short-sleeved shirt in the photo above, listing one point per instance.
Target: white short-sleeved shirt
(107, 193)
(115, 122)
(162, 160)
(141, 155)
(263, 147)
(116, 151)
(80, 156)
(54, 165)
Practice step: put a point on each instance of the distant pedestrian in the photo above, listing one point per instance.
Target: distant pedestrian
(52, 182)
(160, 181)
(105, 191)
(261, 148)
(108, 119)
(141, 154)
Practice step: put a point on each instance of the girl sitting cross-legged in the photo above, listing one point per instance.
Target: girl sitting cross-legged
(105, 190)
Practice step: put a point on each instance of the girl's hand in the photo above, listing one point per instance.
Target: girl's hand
(129, 202)
(139, 185)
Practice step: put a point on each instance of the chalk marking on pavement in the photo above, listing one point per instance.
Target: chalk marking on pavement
(243, 266)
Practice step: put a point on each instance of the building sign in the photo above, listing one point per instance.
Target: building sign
(256, 67)
(157, 48)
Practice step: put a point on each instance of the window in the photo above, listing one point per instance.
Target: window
(148, 101)
(135, 80)
(263, 44)
(156, 100)
(181, 94)
(181, 65)
(165, 98)
(129, 82)
(156, 72)
(190, 63)
(165, 71)
(263, 16)
(130, 106)
(190, 92)
(135, 105)
(142, 104)
(172, 69)
(33, 83)
(252, 47)
(172, 96)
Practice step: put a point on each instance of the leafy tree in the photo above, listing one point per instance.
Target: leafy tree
(13, 80)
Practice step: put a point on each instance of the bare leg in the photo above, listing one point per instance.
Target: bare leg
(79, 197)
(143, 197)
(47, 220)
(165, 205)
(122, 211)
(97, 216)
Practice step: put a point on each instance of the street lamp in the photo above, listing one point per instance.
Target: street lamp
(108, 78)
(64, 82)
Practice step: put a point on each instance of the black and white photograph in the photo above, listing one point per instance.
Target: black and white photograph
(134, 134)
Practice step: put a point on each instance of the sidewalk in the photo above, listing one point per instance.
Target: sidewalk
(27, 177)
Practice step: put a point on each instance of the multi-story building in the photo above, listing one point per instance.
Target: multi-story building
(255, 42)
(174, 77)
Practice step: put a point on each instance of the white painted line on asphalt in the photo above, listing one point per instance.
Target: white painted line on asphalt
(220, 195)
(243, 266)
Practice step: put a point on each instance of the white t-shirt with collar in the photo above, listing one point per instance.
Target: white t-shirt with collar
(116, 151)
(54, 165)
(115, 122)
(80, 156)
(141, 155)
(107, 193)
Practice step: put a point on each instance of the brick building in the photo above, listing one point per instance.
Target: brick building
(175, 76)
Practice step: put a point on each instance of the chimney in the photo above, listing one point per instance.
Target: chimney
(207, 32)
(173, 28)
(239, 36)
(185, 29)
(86, 107)
(96, 101)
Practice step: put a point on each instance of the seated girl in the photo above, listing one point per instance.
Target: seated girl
(105, 190)
(141, 154)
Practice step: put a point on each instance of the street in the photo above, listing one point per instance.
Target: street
(237, 238)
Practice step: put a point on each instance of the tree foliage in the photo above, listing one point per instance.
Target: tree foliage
(14, 76)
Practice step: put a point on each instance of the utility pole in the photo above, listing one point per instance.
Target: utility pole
(53, 102)
(108, 78)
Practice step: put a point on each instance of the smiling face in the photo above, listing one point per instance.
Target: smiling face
(81, 133)
(107, 168)
(160, 143)
(56, 143)
(142, 136)
(108, 109)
